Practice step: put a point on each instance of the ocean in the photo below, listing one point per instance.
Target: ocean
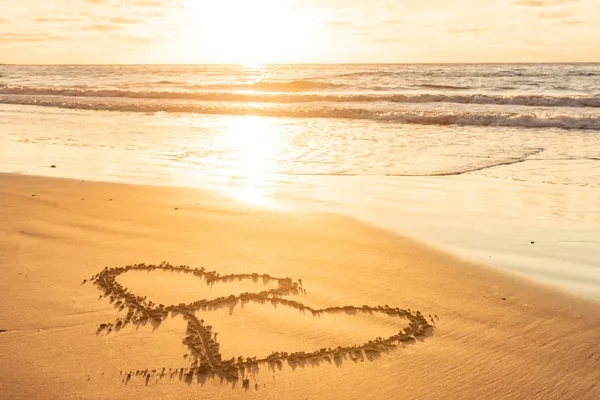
(497, 163)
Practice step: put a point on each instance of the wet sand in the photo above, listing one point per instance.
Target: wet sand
(449, 329)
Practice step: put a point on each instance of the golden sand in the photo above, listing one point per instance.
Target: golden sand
(320, 306)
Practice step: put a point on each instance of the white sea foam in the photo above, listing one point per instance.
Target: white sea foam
(286, 97)
(464, 118)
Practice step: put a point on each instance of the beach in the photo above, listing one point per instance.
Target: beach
(361, 231)
(300, 199)
(492, 335)
(480, 193)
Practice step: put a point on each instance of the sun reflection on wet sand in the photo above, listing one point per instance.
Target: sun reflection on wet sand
(254, 144)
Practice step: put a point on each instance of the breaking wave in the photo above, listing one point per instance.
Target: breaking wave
(450, 87)
(506, 119)
(465, 169)
(283, 97)
(274, 86)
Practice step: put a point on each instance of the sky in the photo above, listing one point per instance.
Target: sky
(298, 31)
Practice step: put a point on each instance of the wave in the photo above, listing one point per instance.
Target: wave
(584, 74)
(465, 169)
(517, 100)
(474, 168)
(273, 86)
(434, 86)
(486, 74)
(263, 86)
(167, 82)
(505, 119)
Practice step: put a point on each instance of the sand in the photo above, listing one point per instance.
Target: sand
(337, 308)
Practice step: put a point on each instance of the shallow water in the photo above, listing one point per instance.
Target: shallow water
(479, 160)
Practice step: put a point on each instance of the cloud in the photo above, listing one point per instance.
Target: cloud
(137, 39)
(538, 43)
(541, 3)
(102, 28)
(28, 37)
(147, 3)
(531, 3)
(120, 20)
(466, 30)
(570, 22)
(556, 14)
(338, 24)
(52, 19)
(163, 4)
(144, 3)
(384, 40)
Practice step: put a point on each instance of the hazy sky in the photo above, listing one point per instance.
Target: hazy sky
(218, 31)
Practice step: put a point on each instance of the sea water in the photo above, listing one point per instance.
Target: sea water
(498, 163)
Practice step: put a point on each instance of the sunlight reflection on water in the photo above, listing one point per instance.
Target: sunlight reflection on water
(489, 215)
(254, 144)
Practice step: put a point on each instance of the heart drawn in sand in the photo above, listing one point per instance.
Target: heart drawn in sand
(206, 359)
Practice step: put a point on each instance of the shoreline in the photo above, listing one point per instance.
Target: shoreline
(498, 335)
(537, 219)
(218, 199)
(526, 258)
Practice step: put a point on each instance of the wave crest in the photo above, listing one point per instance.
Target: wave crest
(279, 97)
(274, 86)
(523, 120)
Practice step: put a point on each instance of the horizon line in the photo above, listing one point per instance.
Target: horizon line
(305, 64)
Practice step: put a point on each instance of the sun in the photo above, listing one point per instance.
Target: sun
(248, 32)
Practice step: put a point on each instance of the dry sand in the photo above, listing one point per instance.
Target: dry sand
(494, 335)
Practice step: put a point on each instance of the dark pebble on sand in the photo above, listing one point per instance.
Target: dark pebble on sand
(53, 166)
(504, 298)
(532, 242)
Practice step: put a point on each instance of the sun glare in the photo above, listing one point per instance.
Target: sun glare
(254, 143)
(248, 32)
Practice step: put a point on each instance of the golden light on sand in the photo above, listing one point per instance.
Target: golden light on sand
(255, 143)
(249, 32)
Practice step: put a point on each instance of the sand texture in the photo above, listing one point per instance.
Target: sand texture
(121, 291)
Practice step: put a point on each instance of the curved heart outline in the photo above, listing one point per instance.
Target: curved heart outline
(206, 359)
